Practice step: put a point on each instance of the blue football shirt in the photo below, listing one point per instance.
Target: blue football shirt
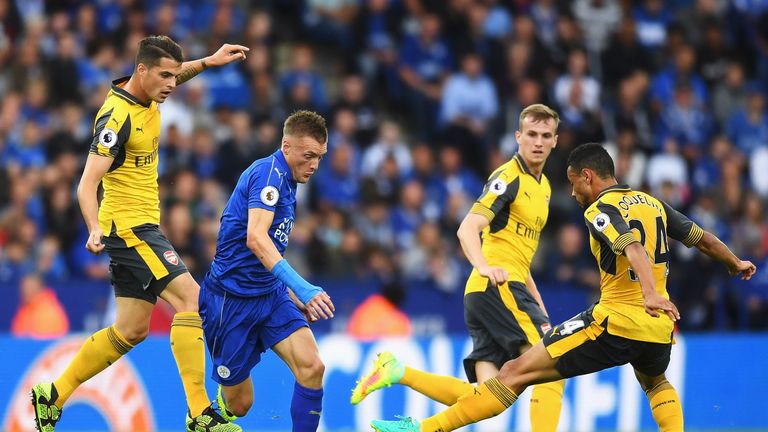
(266, 184)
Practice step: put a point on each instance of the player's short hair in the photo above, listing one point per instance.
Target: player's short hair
(153, 48)
(592, 156)
(539, 112)
(305, 123)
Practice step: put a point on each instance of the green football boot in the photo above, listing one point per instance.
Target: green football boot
(387, 370)
(405, 424)
(47, 414)
(210, 421)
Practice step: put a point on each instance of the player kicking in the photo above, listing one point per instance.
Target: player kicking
(143, 264)
(252, 299)
(504, 312)
(634, 319)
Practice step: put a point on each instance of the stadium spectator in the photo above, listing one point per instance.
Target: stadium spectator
(567, 266)
(379, 315)
(389, 144)
(748, 127)
(624, 55)
(629, 159)
(353, 96)
(598, 18)
(40, 314)
(425, 61)
(730, 94)
(337, 186)
(578, 96)
(301, 78)
(469, 106)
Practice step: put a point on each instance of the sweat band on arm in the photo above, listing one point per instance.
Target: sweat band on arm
(287, 275)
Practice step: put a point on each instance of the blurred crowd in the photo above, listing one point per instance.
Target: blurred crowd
(422, 99)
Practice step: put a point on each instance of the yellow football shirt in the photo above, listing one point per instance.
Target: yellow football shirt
(129, 132)
(517, 205)
(621, 216)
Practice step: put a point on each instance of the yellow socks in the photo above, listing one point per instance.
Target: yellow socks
(665, 407)
(97, 353)
(440, 388)
(546, 402)
(487, 400)
(189, 350)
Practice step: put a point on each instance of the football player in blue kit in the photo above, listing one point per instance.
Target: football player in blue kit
(252, 299)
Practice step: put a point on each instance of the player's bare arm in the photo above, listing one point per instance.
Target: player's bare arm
(713, 247)
(534, 290)
(96, 166)
(638, 260)
(469, 238)
(228, 53)
(258, 241)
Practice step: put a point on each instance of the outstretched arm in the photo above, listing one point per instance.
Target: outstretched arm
(228, 53)
(711, 246)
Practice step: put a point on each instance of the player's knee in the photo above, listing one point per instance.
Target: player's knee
(188, 305)
(510, 373)
(135, 335)
(311, 372)
(186, 302)
(239, 406)
(650, 382)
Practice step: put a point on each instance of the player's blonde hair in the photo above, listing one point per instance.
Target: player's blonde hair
(306, 123)
(539, 112)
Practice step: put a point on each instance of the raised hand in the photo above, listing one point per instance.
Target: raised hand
(228, 53)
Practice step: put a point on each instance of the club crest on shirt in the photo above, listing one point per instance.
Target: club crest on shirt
(498, 186)
(601, 222)
(269, 195)
(171, 257)
(108, 137)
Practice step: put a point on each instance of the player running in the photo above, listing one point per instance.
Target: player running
(143, 264)
(252, 299)
(634, 319)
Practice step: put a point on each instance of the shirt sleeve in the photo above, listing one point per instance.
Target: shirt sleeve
(680, 228)
(111, 132)
(499, 192)
(605, 223)
(264, 187)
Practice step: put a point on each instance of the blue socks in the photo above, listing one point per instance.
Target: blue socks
(306, 406)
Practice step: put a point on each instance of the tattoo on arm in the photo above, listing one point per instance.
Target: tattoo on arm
(190, 71)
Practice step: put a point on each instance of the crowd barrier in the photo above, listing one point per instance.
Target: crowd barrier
(722, 380)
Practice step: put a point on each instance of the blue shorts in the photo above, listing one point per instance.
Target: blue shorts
(238, 329)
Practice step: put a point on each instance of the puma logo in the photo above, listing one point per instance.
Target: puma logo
(140, 129)
(114, 120)
(313, 412)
